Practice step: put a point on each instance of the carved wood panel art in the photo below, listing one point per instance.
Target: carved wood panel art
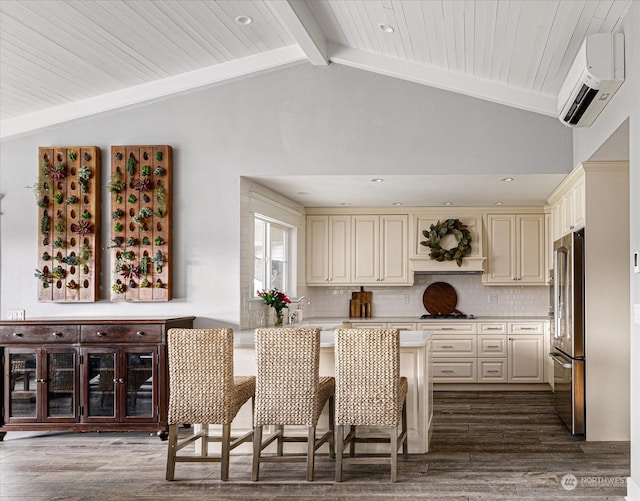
(68, 196)
(140, 187)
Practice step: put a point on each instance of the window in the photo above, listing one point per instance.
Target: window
(272, 255)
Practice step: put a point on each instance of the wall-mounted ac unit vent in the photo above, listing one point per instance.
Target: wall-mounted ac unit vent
(595, 75)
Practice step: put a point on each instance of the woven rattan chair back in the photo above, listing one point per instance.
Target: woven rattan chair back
(287, 365)
(289, 391)
(367, 375)
(204, 391)
(369, 392)
(201, 376)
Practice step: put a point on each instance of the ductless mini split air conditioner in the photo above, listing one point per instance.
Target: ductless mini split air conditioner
(595, 75)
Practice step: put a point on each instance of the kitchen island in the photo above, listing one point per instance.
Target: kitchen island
(415, 365)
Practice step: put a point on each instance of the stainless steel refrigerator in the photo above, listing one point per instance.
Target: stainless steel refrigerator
(568, 331)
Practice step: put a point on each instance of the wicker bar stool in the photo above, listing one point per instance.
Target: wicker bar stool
(203, 390)
(369, 392)
(289, 391)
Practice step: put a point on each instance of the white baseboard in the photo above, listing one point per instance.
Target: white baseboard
(633, 490)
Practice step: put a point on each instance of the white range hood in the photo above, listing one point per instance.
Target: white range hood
(430, 266)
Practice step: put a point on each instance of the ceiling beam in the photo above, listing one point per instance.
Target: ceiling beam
(304, 28)
(446, 80)
(184, 82)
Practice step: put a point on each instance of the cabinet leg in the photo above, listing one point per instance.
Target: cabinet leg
(163, 434)
(2, 434)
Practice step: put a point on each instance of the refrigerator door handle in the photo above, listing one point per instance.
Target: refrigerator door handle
(559, 290)
(560, 360)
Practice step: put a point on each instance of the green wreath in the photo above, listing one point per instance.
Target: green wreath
(448, 227)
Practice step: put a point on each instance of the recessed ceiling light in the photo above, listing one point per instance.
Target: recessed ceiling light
(377, 180)
(498, 203)
(386, 28)
(447, 203)
(243, 20)
(507, 179)
(396, 203)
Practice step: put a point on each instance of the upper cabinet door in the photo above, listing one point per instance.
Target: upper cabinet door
(515, 249)
(328, 251)
(365, 265)
(317, 251)
(531, 250)
(394, 266)
(339, 250)
(501, 249)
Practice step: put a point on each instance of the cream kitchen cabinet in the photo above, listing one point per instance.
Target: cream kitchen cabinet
(526, 358)
(328, 251)
(379, 254)
(515, 250)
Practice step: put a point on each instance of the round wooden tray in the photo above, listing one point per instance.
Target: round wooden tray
(440, 298)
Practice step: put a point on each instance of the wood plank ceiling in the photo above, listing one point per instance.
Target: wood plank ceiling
(63, 55)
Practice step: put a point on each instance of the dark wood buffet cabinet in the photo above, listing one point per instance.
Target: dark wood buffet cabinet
(85, 374)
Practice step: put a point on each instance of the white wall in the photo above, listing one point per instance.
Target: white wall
(625, 105)
(300, 120)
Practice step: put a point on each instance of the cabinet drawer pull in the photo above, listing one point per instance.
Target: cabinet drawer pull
(140, 333)
(447, 346)
(447, 328)
(17, 334)
(448, 371)
(57, 334)
(528, 328)
(493, 346)
(101, 334)
(493, 328)
(41, 381)
(493, 371)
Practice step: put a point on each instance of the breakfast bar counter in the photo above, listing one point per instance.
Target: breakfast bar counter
(415, 365)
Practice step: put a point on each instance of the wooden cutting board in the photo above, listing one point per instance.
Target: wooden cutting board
(359, 302)
(440, 298)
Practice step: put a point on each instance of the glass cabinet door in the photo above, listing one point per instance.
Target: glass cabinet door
(61, 377)
(23, 401)
(140, 384)
(102, 381)
(119, 384)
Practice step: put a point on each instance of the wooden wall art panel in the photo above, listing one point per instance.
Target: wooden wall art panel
(140, 187)
(68, 195)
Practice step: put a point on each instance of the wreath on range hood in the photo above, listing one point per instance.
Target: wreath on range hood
(448, 227)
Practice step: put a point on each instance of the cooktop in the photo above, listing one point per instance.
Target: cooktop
(442, 315)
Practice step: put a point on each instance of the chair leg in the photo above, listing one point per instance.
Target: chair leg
(171, 451)
(204, 443)
(280, 447)
(405, 442)
(352, 445)
(393, 442)
(257, 445)
(332, 415)
(224, 451)
(339, 446)
(311, 452)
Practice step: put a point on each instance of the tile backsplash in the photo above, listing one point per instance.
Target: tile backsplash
(473, 298)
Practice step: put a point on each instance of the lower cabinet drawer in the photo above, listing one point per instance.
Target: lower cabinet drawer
(492, 346)
(122, 333)
(492, 370)
(447, 345)
(38, 334)
(461, 370)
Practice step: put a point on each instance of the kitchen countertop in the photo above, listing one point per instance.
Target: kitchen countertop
(417, 319)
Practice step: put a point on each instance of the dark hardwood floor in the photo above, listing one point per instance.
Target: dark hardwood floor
(485, 446)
